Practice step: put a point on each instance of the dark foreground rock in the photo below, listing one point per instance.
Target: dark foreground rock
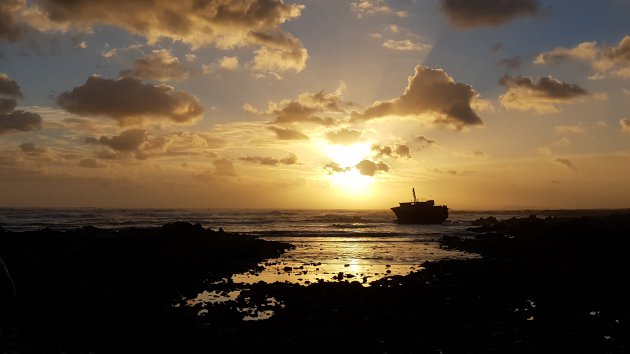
(99, 290)
(554, 285)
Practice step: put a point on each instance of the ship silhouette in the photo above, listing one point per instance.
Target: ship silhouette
(416, 212)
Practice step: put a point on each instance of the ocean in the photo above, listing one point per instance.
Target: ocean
(330, 245)
(362, 245)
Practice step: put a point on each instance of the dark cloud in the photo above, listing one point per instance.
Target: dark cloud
(32, 149)
(9, 88)
(424, 141)
(9, 30)
(399, 150)
(511, 63)
(92, 163)
(7, 105)
(296, 112)
(127, 141)
(565, 163)
(137, 143)
(382, 150)
(224, 24)
(291, 159)
(605, 61)
(430, 91)
(288, 134)
(620, 52)
(497, 47)
(546, 86)
(10, 120)
(19, 121)
(128, 101)
(9, 94)
(344, 136)
(159, 65)
(451, 172)
(542, 95)
(476, 13)
(625, 125)
(333, 167)
(316, 108)
(402, 151)
(370, 168)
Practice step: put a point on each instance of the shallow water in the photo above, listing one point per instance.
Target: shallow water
(348, 259)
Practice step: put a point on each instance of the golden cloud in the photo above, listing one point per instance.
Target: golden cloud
(370, 168)
(429, 91)
(541, 96)
(223, 23)
(399, 150)
(405, 45)
(291, 159)
(288, 134)
(371, 7)
(605, 61)
(8, 27)
(159, 65)
(318, 108)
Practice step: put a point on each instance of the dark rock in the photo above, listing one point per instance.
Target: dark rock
(490, 220)
(7, 289)
(182, 228)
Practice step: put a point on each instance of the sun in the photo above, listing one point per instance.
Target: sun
(347, 157)
(351, 182)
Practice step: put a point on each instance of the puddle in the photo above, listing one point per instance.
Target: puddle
(249, 309)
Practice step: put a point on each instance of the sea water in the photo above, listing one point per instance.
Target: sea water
(330, 245)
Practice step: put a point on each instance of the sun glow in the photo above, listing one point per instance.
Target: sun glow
(351, 182)
(348, 155)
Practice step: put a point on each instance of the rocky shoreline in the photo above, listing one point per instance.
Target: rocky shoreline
(542, 285)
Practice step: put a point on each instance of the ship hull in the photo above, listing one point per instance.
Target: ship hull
(421, 215)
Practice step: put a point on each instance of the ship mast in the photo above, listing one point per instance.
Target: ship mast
(413, 191)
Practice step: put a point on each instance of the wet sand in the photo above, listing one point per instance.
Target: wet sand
(541, 285)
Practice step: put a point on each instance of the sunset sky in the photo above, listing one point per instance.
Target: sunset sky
(478, 104)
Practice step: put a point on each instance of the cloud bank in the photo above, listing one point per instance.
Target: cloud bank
(129, 101)
(222, 23)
